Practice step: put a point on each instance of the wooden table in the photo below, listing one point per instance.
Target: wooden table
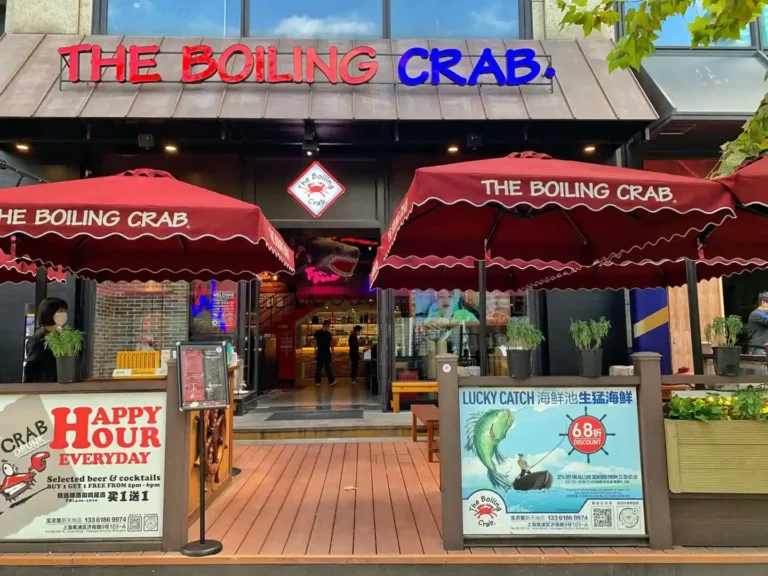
(429, 414)
(410, 387)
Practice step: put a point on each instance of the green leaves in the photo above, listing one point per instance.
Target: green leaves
(64, 342)
(589, 335)
(522, 335)
(723, 20)
(724, 331)
(747, 404)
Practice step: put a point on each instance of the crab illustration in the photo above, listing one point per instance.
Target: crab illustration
(485, 510)
(16, 483)
(316, 188)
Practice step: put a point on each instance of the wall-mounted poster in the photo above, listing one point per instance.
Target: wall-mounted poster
(551, 462)
(203, 376)
(213, 308)
(82, 466)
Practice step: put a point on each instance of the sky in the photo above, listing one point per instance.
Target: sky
(674, 31)
(352, 19)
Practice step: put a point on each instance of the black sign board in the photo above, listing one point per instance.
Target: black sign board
(203, 376)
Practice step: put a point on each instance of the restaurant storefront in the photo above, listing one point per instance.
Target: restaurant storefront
(249, 118)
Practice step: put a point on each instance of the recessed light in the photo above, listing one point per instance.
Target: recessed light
(172, 148)
(22, 147)
(453, 149)
(589, 149)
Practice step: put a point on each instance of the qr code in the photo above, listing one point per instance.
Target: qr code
(150, 523)
(602, 517)
(134, 523)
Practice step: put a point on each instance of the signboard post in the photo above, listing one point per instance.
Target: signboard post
(203, 385)
(551, 462)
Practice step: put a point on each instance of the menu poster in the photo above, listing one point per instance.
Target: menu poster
(203, 377)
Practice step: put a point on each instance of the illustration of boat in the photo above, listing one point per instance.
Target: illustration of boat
(533, 481)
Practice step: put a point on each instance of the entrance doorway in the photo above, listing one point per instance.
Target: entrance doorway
(330, 285)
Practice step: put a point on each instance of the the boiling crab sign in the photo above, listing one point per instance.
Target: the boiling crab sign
(551, 462)
(79, 466)
(316, 189)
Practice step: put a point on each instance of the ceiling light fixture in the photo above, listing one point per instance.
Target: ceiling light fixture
(453, 149)
(171, 148)
(589, 149)
(22, 147)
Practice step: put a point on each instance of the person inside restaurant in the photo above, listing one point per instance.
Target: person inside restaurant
(354, 351)
(40, 364)
(757, 326)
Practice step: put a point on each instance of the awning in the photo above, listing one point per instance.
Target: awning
(582, 89)
(703, 96)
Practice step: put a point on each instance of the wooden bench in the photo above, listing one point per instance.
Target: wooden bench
(429, 414)
(410, 387)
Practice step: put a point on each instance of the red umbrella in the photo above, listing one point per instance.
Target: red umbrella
(613, 275)
(529, 206)
(449, 273)
(139, 223)
(747, 236)
(15, 272)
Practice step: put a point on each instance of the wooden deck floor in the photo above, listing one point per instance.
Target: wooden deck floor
(376, 502)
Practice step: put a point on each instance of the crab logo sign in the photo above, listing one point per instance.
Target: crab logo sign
(316, 189)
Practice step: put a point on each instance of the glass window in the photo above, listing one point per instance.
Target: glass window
(434, 19)
(764, 27)
(216, 18)
(346, 19)
(674, 31)
(428, 323)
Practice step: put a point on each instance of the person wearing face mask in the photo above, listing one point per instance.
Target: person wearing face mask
(41, 363)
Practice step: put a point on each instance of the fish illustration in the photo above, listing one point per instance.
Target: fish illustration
(484, 432)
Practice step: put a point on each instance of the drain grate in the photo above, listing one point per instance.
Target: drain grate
(315, 415)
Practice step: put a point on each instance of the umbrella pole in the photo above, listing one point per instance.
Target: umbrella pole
(693, 314)
(483, 340)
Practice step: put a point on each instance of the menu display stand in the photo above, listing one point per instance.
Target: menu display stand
(203, 385)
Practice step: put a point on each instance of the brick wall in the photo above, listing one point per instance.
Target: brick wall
(138, 317)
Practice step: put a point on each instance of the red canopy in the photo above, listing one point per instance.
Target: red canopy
(140, 222)
(749, 183)
(15, 272)
(531, 207)
(612, 275)
(434, 273)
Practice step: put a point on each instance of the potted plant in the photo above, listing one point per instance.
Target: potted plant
(522, 338)
(66, 344)
(728, 428)
(588, 337)
(723, 333)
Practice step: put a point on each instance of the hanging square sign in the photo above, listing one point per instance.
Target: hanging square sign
(316, 189)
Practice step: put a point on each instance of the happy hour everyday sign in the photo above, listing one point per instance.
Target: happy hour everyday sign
(82, 466)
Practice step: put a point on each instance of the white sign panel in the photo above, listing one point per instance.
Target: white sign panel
(316, 189)
(82, 466)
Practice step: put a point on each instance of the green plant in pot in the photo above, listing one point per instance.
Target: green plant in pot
(66, 344)
(522, 339)
(723, 333)
(588, 335)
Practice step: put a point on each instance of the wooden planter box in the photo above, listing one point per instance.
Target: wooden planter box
(721, 457)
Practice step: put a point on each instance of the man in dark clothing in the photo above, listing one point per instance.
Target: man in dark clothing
(324, 354)
(757, 326)
(354, 351)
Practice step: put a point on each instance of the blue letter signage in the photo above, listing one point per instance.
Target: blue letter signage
(518, 66)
